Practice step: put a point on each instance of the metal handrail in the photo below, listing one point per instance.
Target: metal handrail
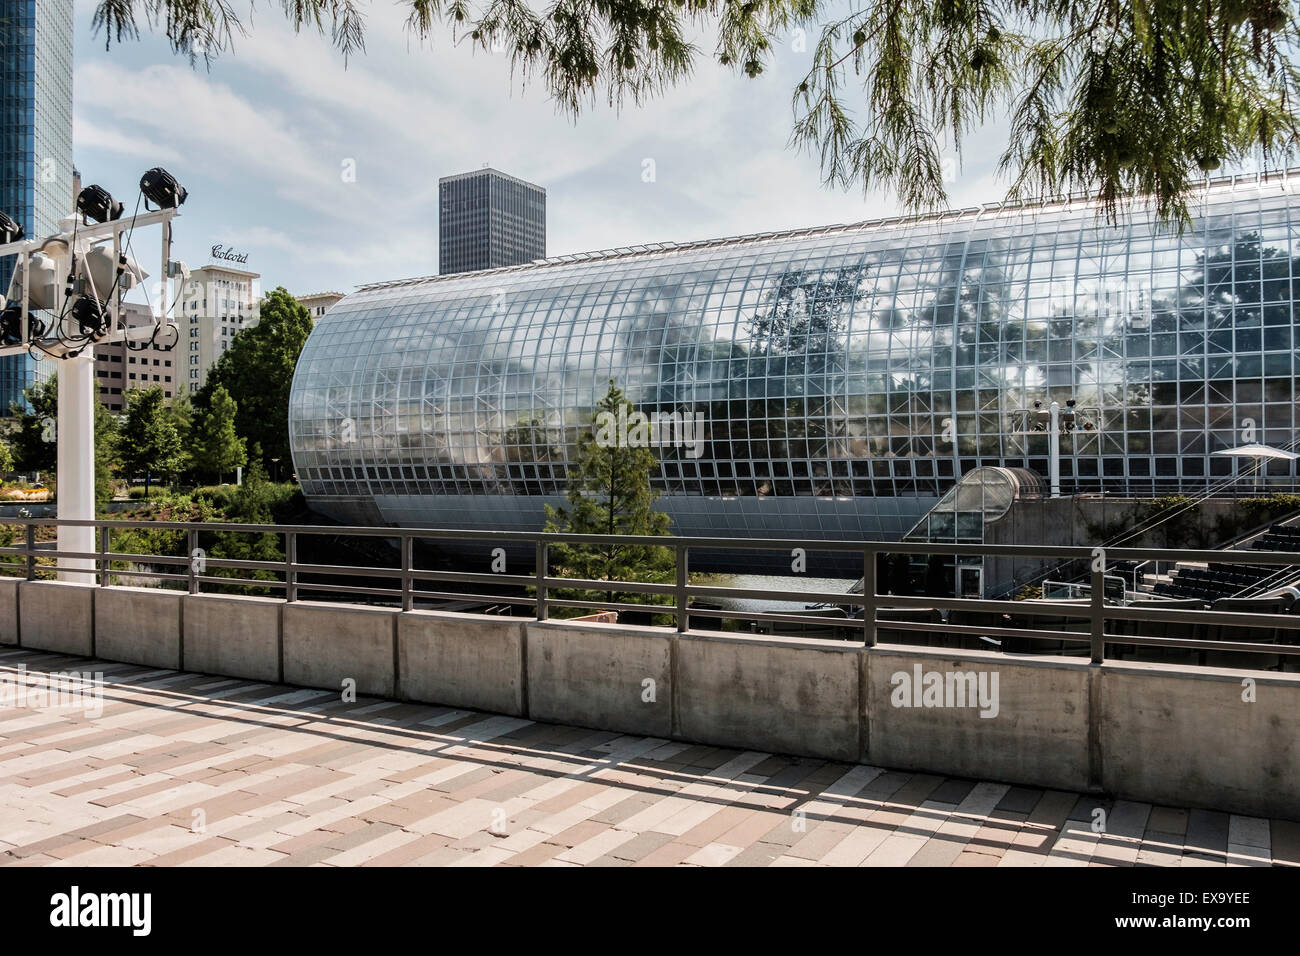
(867, 603)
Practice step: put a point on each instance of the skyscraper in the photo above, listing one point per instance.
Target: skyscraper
(487, 220)
(35, 137)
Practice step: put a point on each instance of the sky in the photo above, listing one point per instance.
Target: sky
(325, 173)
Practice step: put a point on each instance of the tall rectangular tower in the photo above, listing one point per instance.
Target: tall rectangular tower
(487, 220)
(35, 138)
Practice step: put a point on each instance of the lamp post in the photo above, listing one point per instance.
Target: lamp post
(1053, 422)
(275, 469)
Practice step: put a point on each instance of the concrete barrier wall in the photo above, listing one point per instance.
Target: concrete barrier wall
(1175, 736)
(789, 695)
(326, 644)
(462, 660)
(922, 715)
(139, 625)
(1160, 733)
(601, 675)
(9, 610)
(234, 635)
(57, 616)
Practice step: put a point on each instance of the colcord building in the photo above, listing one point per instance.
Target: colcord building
(36, 186)
(846, 375)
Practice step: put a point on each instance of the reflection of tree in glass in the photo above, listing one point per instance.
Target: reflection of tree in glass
(530, 447)
(794, 382)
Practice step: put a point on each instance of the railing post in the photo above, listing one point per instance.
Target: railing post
(104, 548)
(31, 552)
(543, 559)
(1098, 608)
(680, 597)
(408, 549)
(869, 597)
(192, 545)
(290, 566)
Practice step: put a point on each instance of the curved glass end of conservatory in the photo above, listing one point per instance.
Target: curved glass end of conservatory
(824, 383)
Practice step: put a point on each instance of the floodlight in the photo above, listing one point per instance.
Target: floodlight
(161, 188)
(11, 325)
(90, 316)
(103, 271)
(10, 231)
(96, 203)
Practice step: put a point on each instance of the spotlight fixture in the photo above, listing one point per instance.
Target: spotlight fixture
(89, 314)
(96, 203)
(161, 188)
(11, 325)
(10, 231)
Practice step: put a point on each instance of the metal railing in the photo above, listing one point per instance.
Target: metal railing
(862, 616)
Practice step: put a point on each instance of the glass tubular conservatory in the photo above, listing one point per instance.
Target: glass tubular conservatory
(846, 376)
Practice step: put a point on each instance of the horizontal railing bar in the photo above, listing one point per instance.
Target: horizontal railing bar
(890, 547)
(979, 630)
(473, 577)
(615, 586)
(1189, 644)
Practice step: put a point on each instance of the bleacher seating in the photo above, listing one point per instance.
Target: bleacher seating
(1222, 580)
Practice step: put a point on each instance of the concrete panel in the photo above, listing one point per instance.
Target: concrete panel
(57, 616)
(1036, 732)
(462, 660)
(786, 695)
(325, 644)
(233, 635)
(1185, 737)
(594, 675)
(9, 610)
(139, 626)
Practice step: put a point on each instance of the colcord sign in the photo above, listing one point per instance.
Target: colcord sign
(229, 255)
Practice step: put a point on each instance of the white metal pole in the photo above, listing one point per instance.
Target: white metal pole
(1055, 449)
(76, 456)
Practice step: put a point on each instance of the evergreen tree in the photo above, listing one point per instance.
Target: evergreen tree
(217, 447)
(610, 493)
(149, 442)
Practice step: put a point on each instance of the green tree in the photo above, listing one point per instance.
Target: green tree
(257, 370)
(149, 443)
(1108, 97)
(35, 448)
(217, 447)
(610, 494)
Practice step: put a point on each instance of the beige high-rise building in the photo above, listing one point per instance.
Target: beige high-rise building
(219, 302)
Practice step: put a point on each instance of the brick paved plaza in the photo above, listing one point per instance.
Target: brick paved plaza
(183, 768)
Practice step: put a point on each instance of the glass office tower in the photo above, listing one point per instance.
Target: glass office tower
(846, 376)
(487, 220)
(35, 138)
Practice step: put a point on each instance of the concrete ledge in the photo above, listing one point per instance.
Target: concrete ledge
(462, 660)
(1181, 735)
(139, 626)
(783, 694)
(9, 610)
(57, 616)
(325, 644)
(594, 675)
(234, 635)
(1039, 734)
